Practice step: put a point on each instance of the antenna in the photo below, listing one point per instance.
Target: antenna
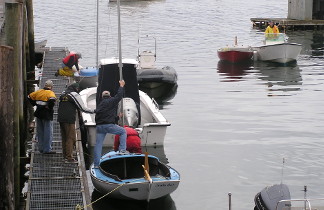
(282, 170)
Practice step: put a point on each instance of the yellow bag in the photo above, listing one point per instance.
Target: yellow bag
(66, 71)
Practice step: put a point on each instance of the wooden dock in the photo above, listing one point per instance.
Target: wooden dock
(289, 24)
(52, 183)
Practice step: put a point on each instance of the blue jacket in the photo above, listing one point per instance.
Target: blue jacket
(106, 111)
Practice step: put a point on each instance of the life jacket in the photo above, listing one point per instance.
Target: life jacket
(70, 60)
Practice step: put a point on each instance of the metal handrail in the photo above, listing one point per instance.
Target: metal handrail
(305, 200)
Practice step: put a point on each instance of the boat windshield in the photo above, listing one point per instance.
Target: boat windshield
(276, 38)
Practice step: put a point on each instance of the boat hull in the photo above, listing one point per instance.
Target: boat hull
(280, 53)
(235, 55)
(152, 129)
(150, 135)
(155, 77)
(107, 179)
(136, 191)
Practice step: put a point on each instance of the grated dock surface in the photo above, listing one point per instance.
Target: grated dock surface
(54, 184)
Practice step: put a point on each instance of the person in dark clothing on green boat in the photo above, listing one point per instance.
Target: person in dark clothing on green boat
(69, 103)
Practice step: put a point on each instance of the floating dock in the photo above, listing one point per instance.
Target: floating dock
(289, 24)
(52, 183)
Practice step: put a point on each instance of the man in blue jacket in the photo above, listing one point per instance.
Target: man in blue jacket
(106, 115)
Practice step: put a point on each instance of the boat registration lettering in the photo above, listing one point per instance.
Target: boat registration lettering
(165, 185)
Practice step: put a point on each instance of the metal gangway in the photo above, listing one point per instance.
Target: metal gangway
(52, 183)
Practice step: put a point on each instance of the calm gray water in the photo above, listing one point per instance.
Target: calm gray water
(231, 125)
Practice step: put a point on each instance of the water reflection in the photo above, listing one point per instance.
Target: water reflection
(162, 93)
(312, 41)
(165, 203)
(280, 77)
(233, 71)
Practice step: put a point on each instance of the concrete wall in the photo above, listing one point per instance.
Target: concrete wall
(300, 9)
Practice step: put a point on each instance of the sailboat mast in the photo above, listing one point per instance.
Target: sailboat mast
(120, 65)
(97, 35)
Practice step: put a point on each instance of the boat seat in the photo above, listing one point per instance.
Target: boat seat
(146, 60)
(111, 175)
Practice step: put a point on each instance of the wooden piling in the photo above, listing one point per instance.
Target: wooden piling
(7, 190)
(13, 37)
(31, 39)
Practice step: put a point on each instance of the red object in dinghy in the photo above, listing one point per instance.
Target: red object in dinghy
(235, 54)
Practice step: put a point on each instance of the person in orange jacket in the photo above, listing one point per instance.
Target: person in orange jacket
(133, 141)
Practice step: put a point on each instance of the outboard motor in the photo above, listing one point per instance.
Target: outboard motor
(130, 112)
(269, 197)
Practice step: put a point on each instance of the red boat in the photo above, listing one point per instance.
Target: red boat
(235, 54)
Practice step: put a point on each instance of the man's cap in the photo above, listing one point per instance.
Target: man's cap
(48, 84)
(106, 93)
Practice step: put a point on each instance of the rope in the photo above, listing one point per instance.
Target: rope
(80, 207)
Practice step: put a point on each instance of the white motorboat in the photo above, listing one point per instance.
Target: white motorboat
(143, 111)
(123, 177)
(277, 49)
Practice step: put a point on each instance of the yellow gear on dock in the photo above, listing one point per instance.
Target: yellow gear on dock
(66, 71)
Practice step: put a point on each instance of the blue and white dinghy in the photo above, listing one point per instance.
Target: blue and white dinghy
(134, 177)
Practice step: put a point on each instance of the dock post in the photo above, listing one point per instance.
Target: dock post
(305, 196)
(13, 37)
(229, 201)
(7, 190)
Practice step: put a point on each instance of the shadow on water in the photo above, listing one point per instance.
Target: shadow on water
(233, 72)
(165, 203)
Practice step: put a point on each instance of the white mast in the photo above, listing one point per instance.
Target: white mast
(120, 65)
(97, 36)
